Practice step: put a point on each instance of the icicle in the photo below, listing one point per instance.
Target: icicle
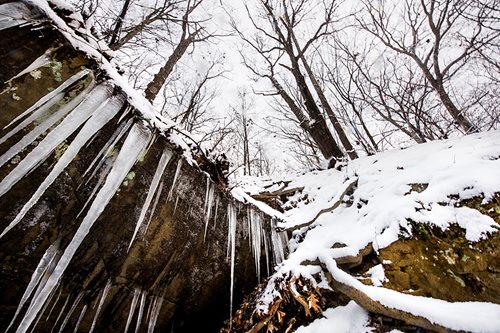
(94, 124)
(141, 312)
(43, 127)
(36, 277)
(279, 242)
(54, 305)
(216, 210)
(209, 201)
(134, 144)
(46, 102)
(43, 310)
(13, 14)
(206, 194)
(231, 216)
(266, 249)
(155, 311)
(60, 313)
(164, 159)
(175, 206)
(255, 230)
(71, 310)
(101, 302)
(177, 172)
(106, 150)
(70, 124)
(41, 61)
(135, 298)
(157, 199)
(80, 318)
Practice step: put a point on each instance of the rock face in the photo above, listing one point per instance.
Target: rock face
(107, 223)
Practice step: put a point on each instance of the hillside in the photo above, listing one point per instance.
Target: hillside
(410, 234)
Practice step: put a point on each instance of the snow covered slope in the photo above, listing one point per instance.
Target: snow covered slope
(372, 202)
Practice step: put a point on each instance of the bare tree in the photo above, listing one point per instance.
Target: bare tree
(191, 32)
(430, 28)
(272, 47)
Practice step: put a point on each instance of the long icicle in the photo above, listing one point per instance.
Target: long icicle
(135, 298)
(60, 313)
(134, 144)
(70, 312)
(101, 302)
(162, 164)
(36, 277)
(44, 126)
(231, 215)
(80, 318)
(176, 175)
(70, 124)
(51, 98)
(141, 311)
(95, 123)
(155, 311)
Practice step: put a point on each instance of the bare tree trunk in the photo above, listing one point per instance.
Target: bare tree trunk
(154, 87)
(317, 128)
(119, 22)
(326, 105)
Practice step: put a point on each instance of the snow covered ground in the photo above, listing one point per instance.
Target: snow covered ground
(371, 201)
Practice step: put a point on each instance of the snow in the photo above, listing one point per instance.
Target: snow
(96, 50)
(343, 319)
(379, 207)
(377, 275)
(460, 316)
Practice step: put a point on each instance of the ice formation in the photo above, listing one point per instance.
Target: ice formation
(162, 164)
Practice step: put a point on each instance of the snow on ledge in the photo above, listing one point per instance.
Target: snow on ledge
(93, 49)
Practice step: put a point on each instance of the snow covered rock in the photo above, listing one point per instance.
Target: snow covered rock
(409, 234)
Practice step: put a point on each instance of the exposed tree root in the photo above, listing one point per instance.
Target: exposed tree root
(371, 305)
(348, 189)
(299, 303)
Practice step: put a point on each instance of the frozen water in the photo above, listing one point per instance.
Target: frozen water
(94, 124)
(101, 302)
(108, 147)
(134, 144)
(155, 311)
(70, 124)
(71, 310)
(80, 318)
(141, 312)
(46, 101)
(133, 305)
(162, 164)
(40, 270)
(42, 127)
(231, 239)
(174, 181)
(209, 202)
(255, 237)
